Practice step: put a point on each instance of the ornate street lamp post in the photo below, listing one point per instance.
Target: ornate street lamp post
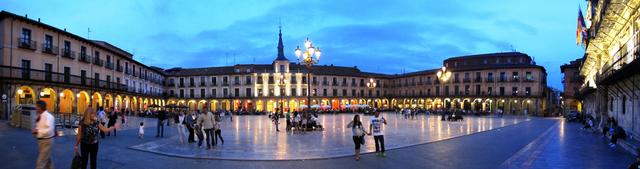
(443, 76)
(281, 84)
(371, 85)
(308, 57)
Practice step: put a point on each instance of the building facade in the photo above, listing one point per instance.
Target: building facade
(571, 82)
(611, 81)
(70, 73)
(41, 62)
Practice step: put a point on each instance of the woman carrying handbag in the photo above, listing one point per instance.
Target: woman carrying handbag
(88, 137)
(358, 134)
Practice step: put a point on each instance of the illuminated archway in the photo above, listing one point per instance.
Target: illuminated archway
(108, 101)
(96, 100)
(118, 102)
(192, 104)
(213, 105)
(48, 95)
(66, 101)
(25, 95)
(83, 102)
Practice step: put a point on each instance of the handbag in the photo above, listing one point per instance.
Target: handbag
(76, 163)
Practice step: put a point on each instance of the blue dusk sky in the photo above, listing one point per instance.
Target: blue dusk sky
(377, 35)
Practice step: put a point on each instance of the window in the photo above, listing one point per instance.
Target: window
(437, 90)
(282, 68)
(247, 92)
(48, 69)
(456, 90)
(236, 80)
(225, 92)
(202, 93)
(514, 91)
(490, 77)
(353, 92)
(324, 92)
(191, 82)
(214, 93)
(334, 93)
(191, 93)
(67, 74)
(467, 89)
(26, 35)
(503, 76)
(26, 69)
(490, 90)
(236, 92)
(214, 81)
(478, 90)
(48, 43)
(501, 91)
(181, 93)
(247, 79)
(527, 91)
(529, 76)
(344, 92)
(446, 90)
(515, 76)
(181, 82)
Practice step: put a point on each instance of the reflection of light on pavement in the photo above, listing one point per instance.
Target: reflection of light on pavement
(562, 130)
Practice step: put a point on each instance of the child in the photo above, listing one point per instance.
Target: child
(141, 130)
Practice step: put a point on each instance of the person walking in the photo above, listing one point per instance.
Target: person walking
(180, 125)
(288, 121)
(207, 121)
(162, 115)
(190, 122)
(358, 132)
(44, 132)
(102, 119)
(375, 128)
(87, 138)
(113, 118)
(218, 134)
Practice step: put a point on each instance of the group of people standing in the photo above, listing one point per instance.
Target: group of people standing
(201, 126)
(298, 121)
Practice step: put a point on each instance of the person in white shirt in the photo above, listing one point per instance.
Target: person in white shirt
(181, 127)
(375, 128)
(44, 132)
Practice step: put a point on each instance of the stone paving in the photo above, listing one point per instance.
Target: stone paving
(255, 138)
(535, 143)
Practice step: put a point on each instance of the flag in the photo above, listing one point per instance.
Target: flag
(581, 30)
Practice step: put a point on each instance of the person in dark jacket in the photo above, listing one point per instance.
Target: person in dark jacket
(113, 118)
(190, 121)
(162, 115)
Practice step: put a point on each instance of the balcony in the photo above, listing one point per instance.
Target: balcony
(109, 65)
(625, 64)
(50, 49)
(502, 80)
(214, 84)
(236, 83)
(489, 80)
(466, 80)
(119, 68)
(27, 43)
(456, 80)
(477, 80)
(202, 84)
(225, 83)
(85, 58)
(69, 54)
(98, 61)
(528, 80)
(181, 85)
(172, 85)
(515, 79)
(334, 84)
(33, 75)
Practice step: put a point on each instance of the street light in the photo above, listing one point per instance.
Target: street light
(310, 56)
(281, 84)
(443, 76)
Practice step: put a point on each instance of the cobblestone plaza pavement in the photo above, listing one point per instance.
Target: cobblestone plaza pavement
(255, 137)
(477, 142)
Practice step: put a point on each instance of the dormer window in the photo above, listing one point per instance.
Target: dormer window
(282, 68)
(237, 70)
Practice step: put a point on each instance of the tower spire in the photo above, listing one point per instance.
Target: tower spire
(280, 45)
